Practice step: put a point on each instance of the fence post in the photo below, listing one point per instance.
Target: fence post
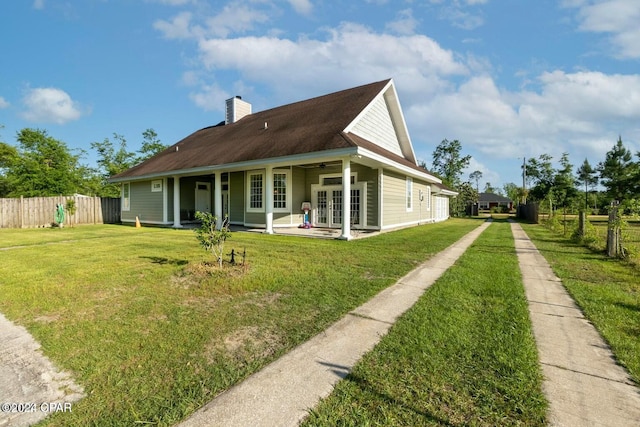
(21, 212)
(582, 224)
(613, 232)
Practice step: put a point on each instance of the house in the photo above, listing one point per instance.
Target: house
(490, 200)
(345, 157)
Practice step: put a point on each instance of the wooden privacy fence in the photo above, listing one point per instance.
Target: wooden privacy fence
(39, 211)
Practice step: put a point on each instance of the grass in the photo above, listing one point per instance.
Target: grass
(151, 336)
(607, 291)
(463, 355)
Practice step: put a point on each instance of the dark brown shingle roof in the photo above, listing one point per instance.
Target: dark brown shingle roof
(302, 127)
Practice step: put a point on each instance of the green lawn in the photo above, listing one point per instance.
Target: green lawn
(152, 336)
(463, 355)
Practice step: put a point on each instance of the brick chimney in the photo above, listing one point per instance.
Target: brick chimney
(236, 109)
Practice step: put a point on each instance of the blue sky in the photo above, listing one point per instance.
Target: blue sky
(509, 79)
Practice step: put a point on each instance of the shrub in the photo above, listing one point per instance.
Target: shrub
(211, 237)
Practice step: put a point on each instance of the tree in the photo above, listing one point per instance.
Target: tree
(467, 195)
(151, 145)
(564, 183)
(211, 236)
(8, 155)
(116, 158)
(476, 176)
(448, 163)
(513, 191)
(488, 188)
(540, 173)
(43, 166)
(618, 173)
(589, 177)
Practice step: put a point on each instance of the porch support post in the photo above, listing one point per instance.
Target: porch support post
(217, 199)
(176, 202)
(346, 199)
(165, 201)
(269, 200)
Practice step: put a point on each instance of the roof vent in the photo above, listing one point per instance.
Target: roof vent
(236, 109)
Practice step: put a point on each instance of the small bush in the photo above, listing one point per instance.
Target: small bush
(211, 237)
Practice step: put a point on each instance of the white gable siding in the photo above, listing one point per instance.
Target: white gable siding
(376, 126)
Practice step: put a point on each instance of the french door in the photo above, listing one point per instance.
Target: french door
(328, 202)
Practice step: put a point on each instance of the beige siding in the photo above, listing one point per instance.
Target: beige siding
(370, 176)
(169, 190)
(376, 126)
(236, 197)
(254, 218)
(394, 201)
(145, 204)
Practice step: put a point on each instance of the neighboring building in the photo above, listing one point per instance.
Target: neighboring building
(486, 201)
(343, 155)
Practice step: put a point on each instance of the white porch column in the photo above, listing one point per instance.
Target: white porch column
(217, 198)
(176, 202)
(346, 199)
(269, 200)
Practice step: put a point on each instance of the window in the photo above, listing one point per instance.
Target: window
(409, 194)
(126, 196)
(336, 180)
(256, 191)
(279, 190)
(426, 196)
(355, 206)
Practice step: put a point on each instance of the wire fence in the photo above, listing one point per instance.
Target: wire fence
(596, 232)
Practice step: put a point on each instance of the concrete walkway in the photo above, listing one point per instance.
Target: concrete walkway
(282, 393)
(583, 383)
(31, 387)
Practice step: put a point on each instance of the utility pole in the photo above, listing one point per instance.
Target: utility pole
(524, 180)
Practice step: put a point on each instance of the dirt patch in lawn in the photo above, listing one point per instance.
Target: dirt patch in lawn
(243, 344)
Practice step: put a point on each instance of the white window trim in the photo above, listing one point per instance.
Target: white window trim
(409, 194)
(427, 197)
(248, 191)
(126, 206)
(288, 186)
(321, 178)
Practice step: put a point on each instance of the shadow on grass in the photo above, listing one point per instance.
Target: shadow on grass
(164, 260)
(366, 386)
(630, 307)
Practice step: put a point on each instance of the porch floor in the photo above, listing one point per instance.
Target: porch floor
(314, 232)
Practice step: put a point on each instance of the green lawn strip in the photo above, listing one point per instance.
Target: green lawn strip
(152, 338)
(607, 291)
(12, 237)
(463, 355)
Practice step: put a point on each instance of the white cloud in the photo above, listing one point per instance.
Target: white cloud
(38, 4)
(581, 113)
(50, 105)
(461, 18)
(3, 103)
(235, 19)
(618, 18)
(210, 97)
(338, 61)
(231, 20)
(303, 7)
(404, 23)
(178, 28)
